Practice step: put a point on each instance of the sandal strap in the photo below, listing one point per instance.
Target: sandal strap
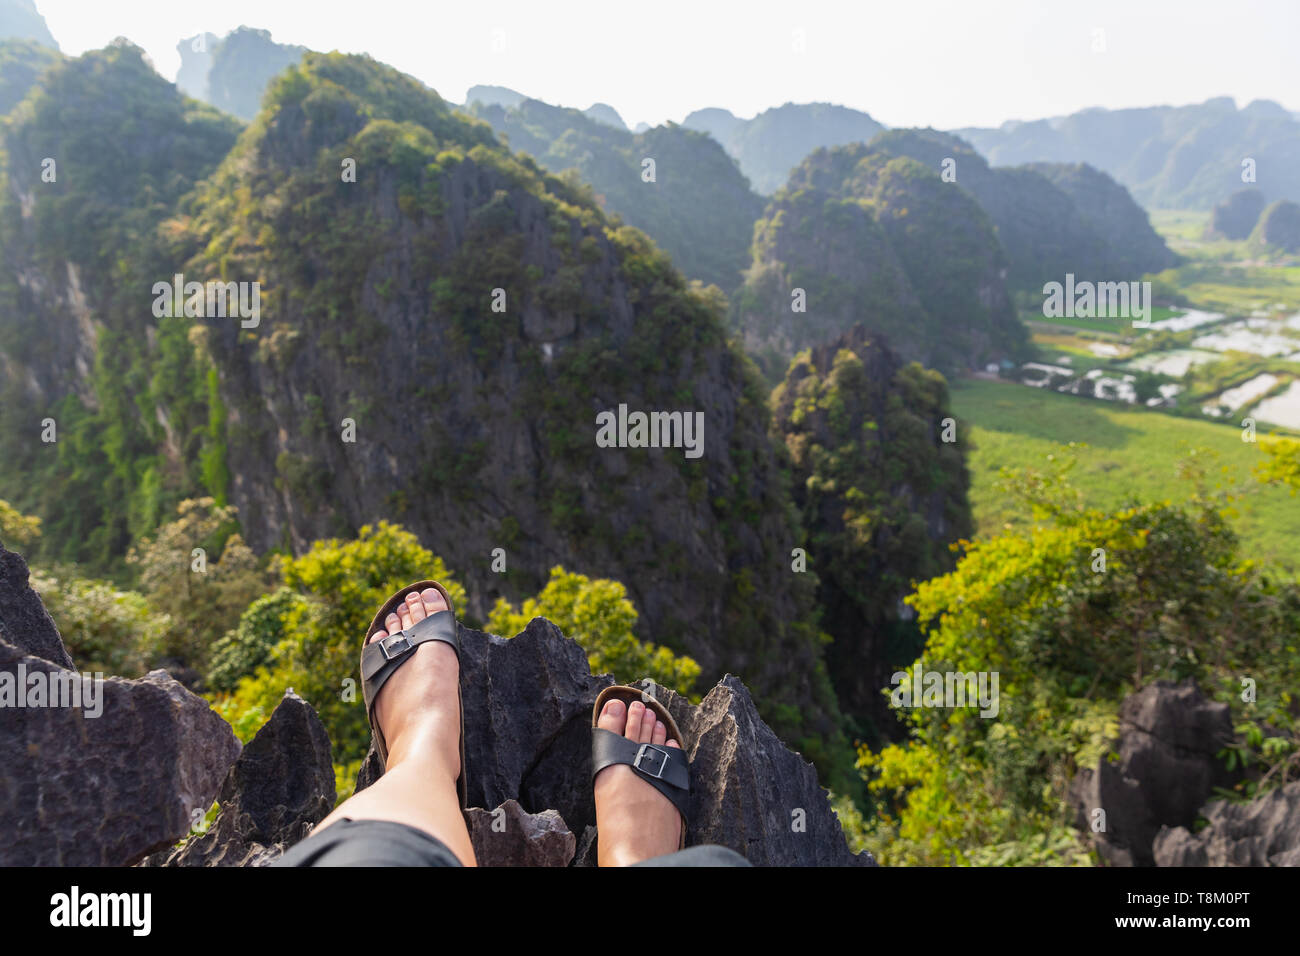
(667, 769)
(380, 659)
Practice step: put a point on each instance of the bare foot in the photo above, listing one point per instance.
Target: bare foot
(418, 712)
(635, 821)
(419, 705)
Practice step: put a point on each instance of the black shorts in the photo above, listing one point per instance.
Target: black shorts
(381, 843)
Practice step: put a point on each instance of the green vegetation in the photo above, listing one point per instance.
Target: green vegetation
(127, 393)
(881, 496)
(314, 632)
(1070, 637)
(882, 241)
(598, 615)
(699, 208)
(21, 63)
(1132, 455)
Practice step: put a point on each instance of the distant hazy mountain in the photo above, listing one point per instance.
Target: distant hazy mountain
(232, 73)
(1105, 208)
(494, 96)
(20, 20)
(775, 141)
(699, 208)
(196, 61)
(1235, 217)
(1279, 227)
(21, 63)
(1184, 157)
(604, 113)
(1051, 218)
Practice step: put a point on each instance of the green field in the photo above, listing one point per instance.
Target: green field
(1131, 454)
(1223, 274)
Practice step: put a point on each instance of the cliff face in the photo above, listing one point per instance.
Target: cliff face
(926, 269)
(699, 207)
(879, 475)
(476, 428)
(94, 159)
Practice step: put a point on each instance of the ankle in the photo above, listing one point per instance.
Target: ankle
(426, 744)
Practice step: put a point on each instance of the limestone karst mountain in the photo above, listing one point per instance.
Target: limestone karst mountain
(859, 236)
(20, 20)
(1168, 157)
(475, 425)
(880, 480)
(769, 145)
(233, 72)
(675, 184)
(1051, 218)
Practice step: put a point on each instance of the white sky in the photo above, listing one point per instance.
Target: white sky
(906, 62)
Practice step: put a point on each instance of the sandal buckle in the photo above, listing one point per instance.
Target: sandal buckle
(663, 760)
(390, 645)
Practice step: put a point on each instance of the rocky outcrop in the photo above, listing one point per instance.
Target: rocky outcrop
(528, 740)
(24, 622)
(1262, 832)
(281, 786)
(1167, 769)
(110, 789)
(510, 836)
(86, 790)
(93, 772)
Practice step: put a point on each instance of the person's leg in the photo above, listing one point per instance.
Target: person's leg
(419, 711)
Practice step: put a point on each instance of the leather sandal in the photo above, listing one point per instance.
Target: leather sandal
(381, 659)
(667, 769)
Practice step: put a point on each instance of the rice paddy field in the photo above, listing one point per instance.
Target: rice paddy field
(1131, 454)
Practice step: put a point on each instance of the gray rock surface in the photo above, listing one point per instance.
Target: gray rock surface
(24, 622)
(528, 739)
(1167, 769)
(1263, 832)
(83, 790)
(281, 786)
(114, 789)
(77, 790)
(510, 836)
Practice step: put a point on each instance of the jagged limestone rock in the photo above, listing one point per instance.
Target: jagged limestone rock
(1169, 737)
(510, 836)
(528, 739)
(109, 775)
(1263, 832)
(281, 786)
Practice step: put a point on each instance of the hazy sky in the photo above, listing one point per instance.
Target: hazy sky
(906, 62)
